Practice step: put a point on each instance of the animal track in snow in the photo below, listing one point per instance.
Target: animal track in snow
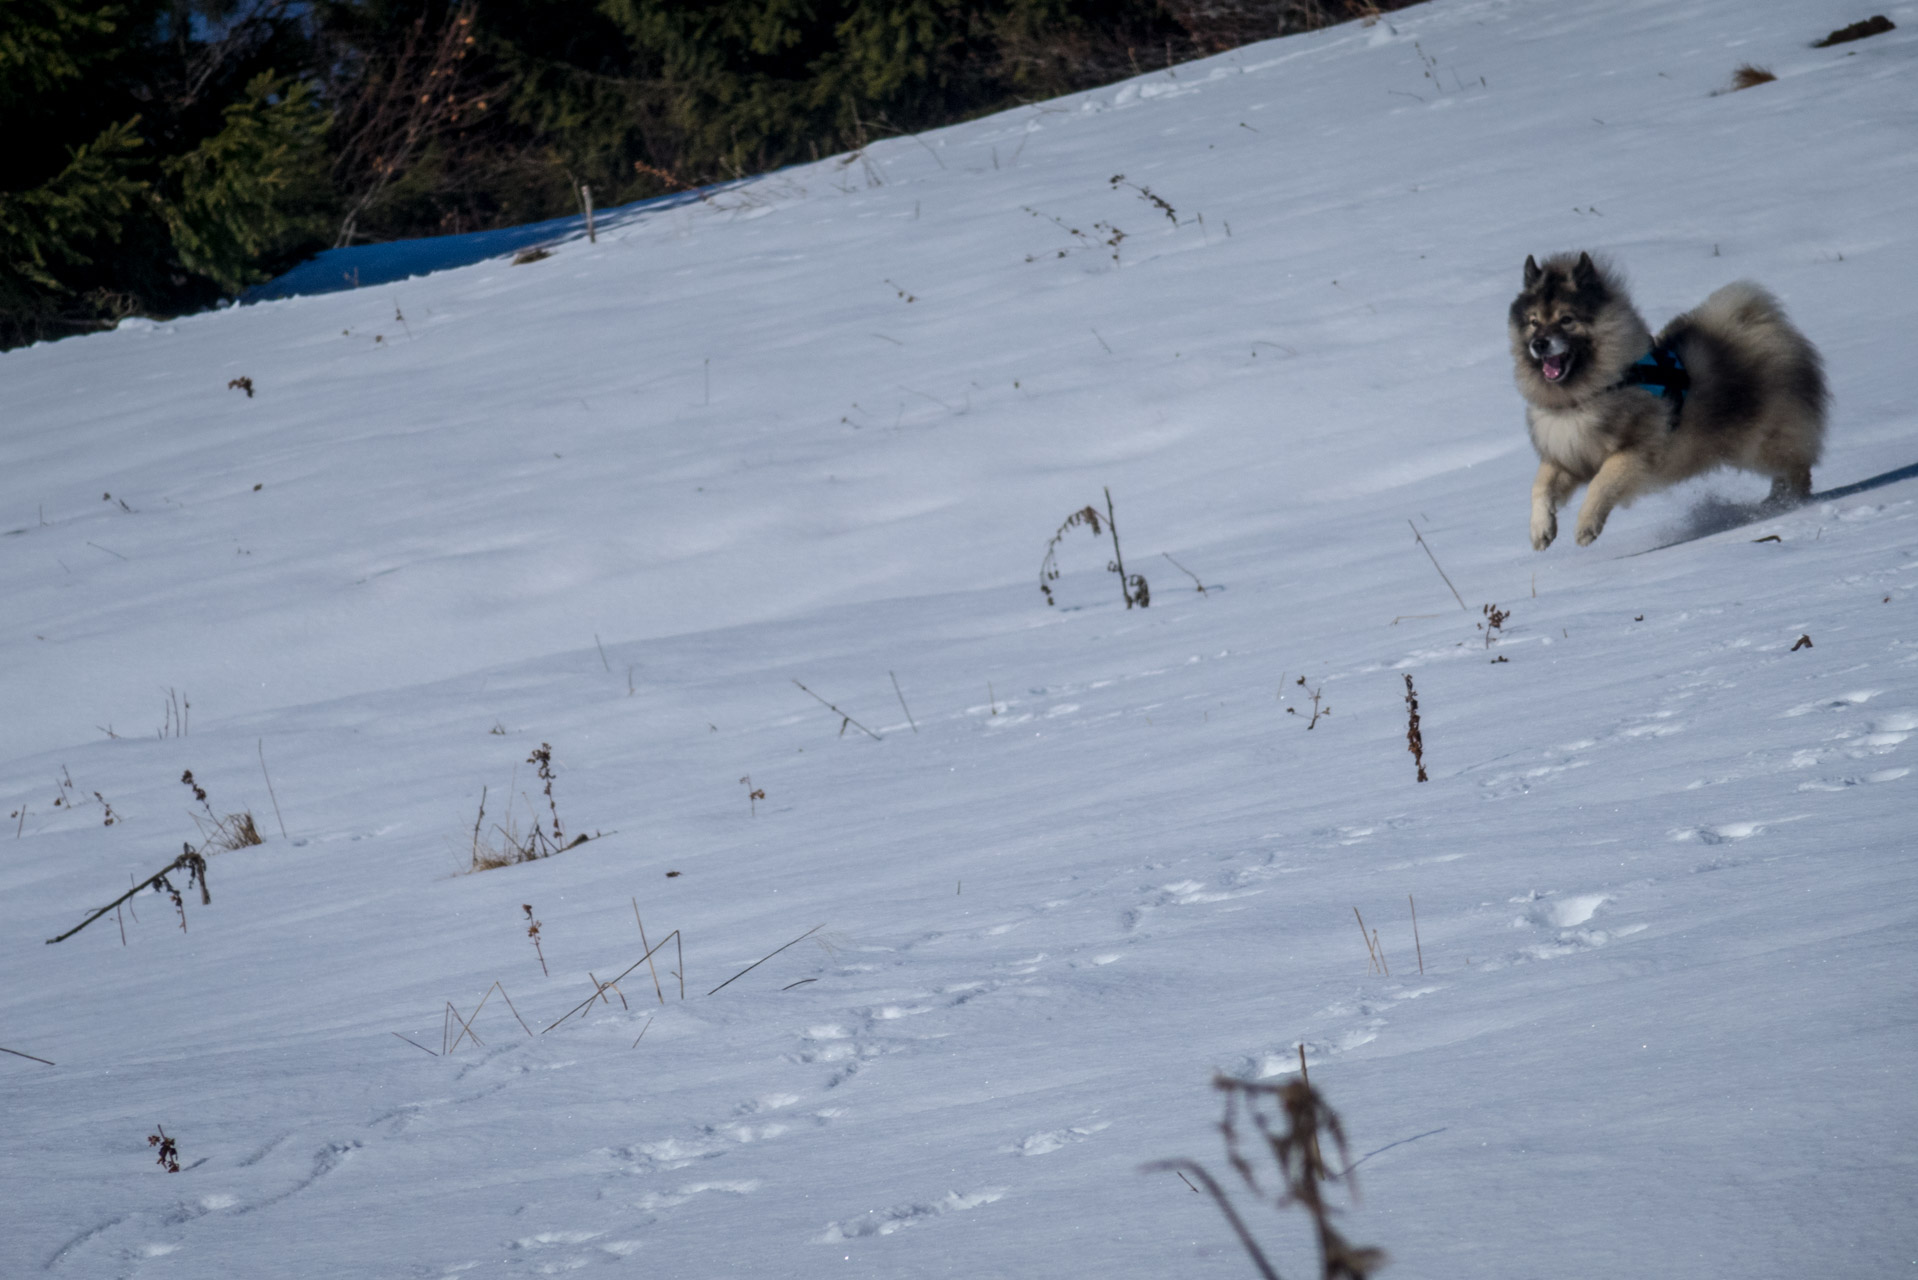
(1365, 1021)
(653, 1201)
(546, 1239)
(1045, 1143)
(1565, 913)
(1569, 916)
(1185, 893)
(883, 1222)
(1843, 702)
(1723, 833)
(671, 1153)
(325, 1161)
(1843, 784)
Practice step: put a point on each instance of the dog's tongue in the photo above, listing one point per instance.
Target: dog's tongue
(1553, 367)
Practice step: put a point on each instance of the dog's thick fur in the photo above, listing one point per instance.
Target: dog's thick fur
(1756, 401)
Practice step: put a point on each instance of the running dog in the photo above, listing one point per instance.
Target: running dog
(1729, 384)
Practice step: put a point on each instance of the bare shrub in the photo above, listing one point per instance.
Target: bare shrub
(505, 845)
(1289, 1120)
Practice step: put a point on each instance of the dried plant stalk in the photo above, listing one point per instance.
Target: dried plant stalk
(1288, 1120)
(1414, 740)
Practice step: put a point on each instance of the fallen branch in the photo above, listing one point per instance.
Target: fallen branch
(844, 719)
(190, 862)
(16, 1053)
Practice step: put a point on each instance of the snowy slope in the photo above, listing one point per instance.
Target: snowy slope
(820, 430)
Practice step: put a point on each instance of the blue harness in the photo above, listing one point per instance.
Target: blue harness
(1662, 373)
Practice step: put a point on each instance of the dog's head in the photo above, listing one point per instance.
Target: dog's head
(1561, 324)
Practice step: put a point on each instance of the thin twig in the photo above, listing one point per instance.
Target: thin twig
(476, 1013)
(1368, 938)
(763, 959)
(417, 1045)
(1187, 572)
(602, 654)
(16, 1053)
(1415, 934)
(1435, 564)
(509, 1004)
(476, 825)
(1225, 1207)
(802, 982)
(614, 988)
(628, 969)
(1118, 561)
(269, 791)
(843, 717)
(466, 1030)
(649, 963)
(642, 1031)
(902, 703)
(1318, 1159)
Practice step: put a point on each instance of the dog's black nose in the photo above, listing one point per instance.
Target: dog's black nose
(1540, 348)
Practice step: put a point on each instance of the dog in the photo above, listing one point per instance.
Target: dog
(1730, 383)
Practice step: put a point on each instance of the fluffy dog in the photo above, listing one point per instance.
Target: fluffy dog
(1730, 383)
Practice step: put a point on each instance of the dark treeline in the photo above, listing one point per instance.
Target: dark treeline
(165, 154)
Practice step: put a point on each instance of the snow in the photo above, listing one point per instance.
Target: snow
(620, 500)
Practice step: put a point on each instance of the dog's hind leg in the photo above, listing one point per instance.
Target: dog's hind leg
(1623, 477)
(1549, 491)
(1791, 489)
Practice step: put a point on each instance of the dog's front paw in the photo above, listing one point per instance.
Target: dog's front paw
(1544, 529)
(1588, 531)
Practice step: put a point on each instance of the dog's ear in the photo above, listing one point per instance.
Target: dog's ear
(1532, 273)
(1585, 273)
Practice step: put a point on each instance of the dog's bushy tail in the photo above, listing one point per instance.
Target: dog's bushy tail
(1742, 307)
(1749, 319)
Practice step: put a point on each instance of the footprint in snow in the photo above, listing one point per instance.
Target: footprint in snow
(1723, 833)
(1570, 917)
(1845, 784)
(1051, 1140)
(883, 1222)
(653, 1201)
(1843, 702)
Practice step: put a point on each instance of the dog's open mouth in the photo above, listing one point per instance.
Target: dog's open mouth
(1555, 365)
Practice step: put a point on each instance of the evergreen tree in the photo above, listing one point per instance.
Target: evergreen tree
(158, 161)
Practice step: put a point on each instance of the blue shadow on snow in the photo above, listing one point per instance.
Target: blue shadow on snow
(360, 265)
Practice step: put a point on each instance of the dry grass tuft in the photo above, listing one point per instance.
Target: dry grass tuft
(505, 845)
(1750, 77)
(220, 834)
